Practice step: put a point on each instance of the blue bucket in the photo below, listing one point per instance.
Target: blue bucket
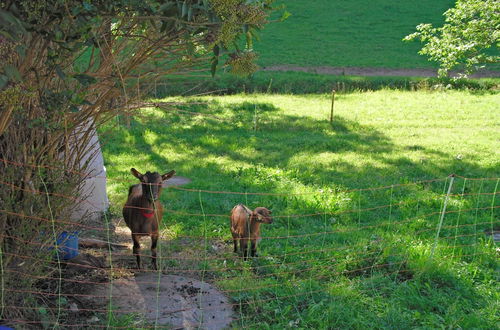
(68, 245)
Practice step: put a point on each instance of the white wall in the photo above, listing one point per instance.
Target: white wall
(93, 189)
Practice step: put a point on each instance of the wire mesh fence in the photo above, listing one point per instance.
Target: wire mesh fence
(321, 245)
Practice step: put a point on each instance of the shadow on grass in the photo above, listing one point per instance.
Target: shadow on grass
(256, 148)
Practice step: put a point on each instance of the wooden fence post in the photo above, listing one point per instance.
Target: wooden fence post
(333, 101)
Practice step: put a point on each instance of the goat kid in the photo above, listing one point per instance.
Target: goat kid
(245, 226)
(143, 211)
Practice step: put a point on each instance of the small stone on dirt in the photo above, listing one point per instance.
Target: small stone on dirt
(93, 319)
(74, 308)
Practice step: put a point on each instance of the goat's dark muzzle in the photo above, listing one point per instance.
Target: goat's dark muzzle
(152, 199)
(151, 193)
(267, 220)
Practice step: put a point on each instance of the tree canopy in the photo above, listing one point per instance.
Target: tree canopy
(468, 40)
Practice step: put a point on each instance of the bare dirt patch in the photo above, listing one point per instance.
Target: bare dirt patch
(358, 71)
(172, 300)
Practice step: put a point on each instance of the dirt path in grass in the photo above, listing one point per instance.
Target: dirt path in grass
(357, 71)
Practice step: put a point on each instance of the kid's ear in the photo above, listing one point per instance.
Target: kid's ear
(168, 175)
(136, 173)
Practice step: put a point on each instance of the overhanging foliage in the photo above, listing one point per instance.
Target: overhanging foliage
(472, 28)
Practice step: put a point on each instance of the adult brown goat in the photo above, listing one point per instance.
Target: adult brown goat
(143, 211)
(245, 226)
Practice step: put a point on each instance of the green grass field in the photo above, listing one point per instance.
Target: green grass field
(366, 34)
(349, 33)
(336, 256)
(329, 33)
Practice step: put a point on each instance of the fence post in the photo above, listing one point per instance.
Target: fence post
(333, 100)
(441, 218)
(255, 119)
(492, 206)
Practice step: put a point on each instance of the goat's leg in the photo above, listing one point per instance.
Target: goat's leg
(253, 251)
(137, 249)
(154, 242)
(244, 247)
(235, 243)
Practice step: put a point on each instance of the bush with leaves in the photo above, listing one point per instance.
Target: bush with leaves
(68, 66)
(466, 40)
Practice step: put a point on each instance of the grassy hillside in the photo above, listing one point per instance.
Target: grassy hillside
(336, 256)
(358, 33)
(364, 33)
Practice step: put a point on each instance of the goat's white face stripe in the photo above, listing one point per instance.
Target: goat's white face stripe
(259, 216)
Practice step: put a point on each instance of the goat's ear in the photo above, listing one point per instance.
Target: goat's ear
(136, 173)
(261, 212)
(268, 210)
(168, 175)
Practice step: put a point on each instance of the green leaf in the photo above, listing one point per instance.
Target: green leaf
(163, 26)
(285, 15)
(21, 50)
(84, 79)
(184, 9)
(8, 35)
(87, 6)
(60, 72)
(7, 19)
(3, 80)
(190, 13)
(166, 6)
(12, 72)
(42, 311)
